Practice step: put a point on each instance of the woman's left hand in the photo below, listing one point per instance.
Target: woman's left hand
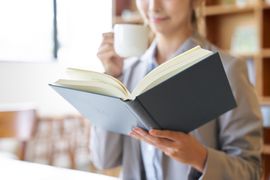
(177, 145)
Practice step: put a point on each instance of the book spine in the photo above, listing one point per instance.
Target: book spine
(144, 119)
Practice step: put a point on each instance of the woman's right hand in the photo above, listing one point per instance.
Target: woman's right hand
(112, 63)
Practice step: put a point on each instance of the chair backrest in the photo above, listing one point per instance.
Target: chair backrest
(19, 125)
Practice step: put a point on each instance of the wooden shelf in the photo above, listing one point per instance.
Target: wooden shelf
(266, 6)
(265, 100)
(246, 55)
(243, 55)
(266, 53)
(227, 9)
(266, 149)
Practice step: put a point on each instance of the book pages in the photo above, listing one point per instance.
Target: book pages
(170, 68)
(94, 87)
(86, 75)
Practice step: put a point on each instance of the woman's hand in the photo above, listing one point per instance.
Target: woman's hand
(177, 145)
(113, 64)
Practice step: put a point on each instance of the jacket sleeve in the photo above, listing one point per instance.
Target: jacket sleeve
(240, 133)
(106, 148)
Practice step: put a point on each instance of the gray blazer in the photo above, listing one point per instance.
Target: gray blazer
(233, 140)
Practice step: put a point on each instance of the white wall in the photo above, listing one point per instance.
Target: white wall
(28, 83)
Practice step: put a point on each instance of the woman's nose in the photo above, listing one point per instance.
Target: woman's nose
(155, 5)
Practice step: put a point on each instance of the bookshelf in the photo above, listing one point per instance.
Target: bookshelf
(212, 10)
(223, 19)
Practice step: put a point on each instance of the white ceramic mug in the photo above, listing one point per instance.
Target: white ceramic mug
(130, 39)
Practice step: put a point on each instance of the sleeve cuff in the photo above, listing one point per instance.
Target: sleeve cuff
(207, 172)
(213, 167)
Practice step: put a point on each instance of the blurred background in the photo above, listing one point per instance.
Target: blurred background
(38, 39)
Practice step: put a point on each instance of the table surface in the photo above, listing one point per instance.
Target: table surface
(18, 170)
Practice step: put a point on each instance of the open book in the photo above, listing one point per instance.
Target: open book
(180, 94)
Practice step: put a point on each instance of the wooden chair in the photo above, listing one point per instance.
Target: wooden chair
(19, 125)
(65, 136)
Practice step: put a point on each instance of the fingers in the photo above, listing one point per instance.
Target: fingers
(144, 136)
(107, 43)
(108, 38)
(107, 34)
(106, 51)
(183, 149)
(172, 135)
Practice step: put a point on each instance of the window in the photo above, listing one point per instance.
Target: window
(26, 30)
(80, 25)
(30, 32)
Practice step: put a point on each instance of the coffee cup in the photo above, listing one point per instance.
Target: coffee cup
(130, 39)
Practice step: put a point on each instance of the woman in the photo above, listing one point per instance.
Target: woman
(227, 148)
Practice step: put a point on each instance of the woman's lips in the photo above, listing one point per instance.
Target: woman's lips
(158, 19)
